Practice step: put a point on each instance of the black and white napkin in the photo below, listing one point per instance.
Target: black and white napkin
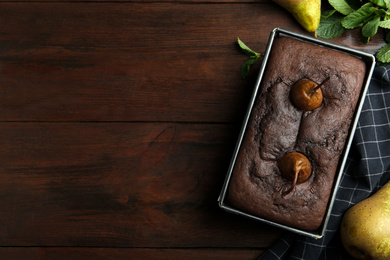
(367, 169)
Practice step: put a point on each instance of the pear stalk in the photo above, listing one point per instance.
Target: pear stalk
(321, 84)
(293, 184)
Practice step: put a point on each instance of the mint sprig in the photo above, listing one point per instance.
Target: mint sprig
(342, 6)
(383, 55)
(330, 25)
(358, 17)
(368, 15)
(253, 57)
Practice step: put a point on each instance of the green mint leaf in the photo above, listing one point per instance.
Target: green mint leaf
(331, 27)
(341, 6)
(326, 14)
(371, 27)
(380, 3)
(382, 13)
(383, 55)
(356, 18)
(253, 56)
(355, 4)
(247, 65)
(385, 24)
(364, 39)
(246, 49)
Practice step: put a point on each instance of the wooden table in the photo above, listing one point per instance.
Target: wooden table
(118, 121)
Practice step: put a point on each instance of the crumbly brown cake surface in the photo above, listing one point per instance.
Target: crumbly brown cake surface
(277, 127)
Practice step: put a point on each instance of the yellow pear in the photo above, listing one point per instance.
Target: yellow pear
(306, 12)
(365, 227)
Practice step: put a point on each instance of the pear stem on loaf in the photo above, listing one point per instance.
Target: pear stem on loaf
(321, 84)
(293, 184)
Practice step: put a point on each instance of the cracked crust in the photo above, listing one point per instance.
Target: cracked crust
(277, 127)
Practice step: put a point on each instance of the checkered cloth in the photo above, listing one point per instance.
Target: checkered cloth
(366, 170)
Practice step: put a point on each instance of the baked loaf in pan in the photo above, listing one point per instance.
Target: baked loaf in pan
(277, 127)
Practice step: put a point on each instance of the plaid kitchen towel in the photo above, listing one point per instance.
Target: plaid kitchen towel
(367, 169)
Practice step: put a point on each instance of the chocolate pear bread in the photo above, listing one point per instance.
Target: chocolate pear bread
(261, 183)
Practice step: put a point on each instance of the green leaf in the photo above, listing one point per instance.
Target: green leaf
(371, 27)
(355, 4)
(331, 27)
(364, 39)
(341, 6)
(385, 24)
(253, 56)
(326, 14)
(356, 18)
(381, 13)
(383, 55)
(246, 49)
(380, 3)
(247, 65)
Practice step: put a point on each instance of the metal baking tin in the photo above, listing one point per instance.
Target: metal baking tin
(370, 62)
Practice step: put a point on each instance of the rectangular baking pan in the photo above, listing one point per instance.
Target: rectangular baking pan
(369, 59)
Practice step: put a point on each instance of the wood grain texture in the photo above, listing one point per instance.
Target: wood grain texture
(77, 253)
(130, 61)
(118, 120)
(119, 184)
(124, 62)
(150, 1)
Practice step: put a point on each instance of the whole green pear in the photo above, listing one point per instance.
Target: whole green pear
(306, 12)
(365, 227)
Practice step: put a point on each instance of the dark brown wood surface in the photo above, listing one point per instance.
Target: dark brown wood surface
(117, 122)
